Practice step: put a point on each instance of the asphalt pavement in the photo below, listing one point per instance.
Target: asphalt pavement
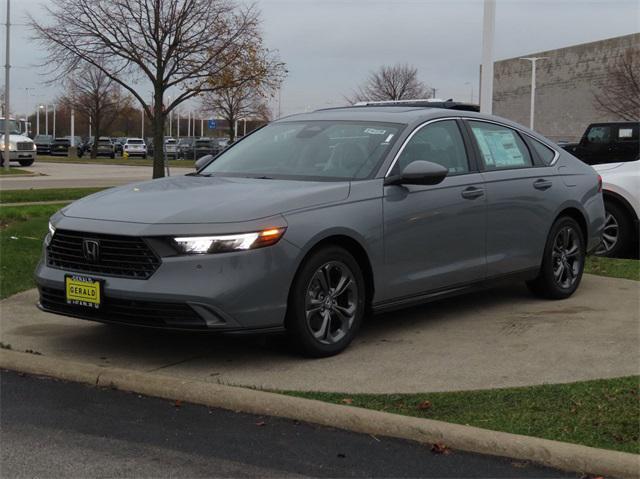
(56, 429)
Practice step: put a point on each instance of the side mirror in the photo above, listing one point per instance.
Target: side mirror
(203, 161)
(419, 173)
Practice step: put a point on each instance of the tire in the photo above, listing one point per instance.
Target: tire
(26, 162)
(617, 235)
(316, 321)
(563, 262)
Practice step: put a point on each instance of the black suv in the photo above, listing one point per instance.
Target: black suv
(608, 143)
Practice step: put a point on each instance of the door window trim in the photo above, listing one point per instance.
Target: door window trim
(470, 156)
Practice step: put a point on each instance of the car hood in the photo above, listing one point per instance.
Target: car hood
(197, 199)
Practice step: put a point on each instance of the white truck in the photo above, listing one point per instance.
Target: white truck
(21, 148)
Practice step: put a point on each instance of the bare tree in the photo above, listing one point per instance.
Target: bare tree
(235, 99)
(175, 45)
(98, 97)
(397, 82)
(620, 92)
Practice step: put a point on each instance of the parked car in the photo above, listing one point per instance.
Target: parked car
(614, 151)
(186, 148)
(312, 221)
(43, 144)
(105, 147)
(205, 146)
(117, 143)
(135, 147)
(60, 147)
(171, 147)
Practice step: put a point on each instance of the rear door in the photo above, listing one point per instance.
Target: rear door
(626, 143)
(521, 194)
(595, 145)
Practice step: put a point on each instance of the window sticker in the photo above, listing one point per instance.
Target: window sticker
(625, 133)
(499, 148)
(388, 139)
(373, 131)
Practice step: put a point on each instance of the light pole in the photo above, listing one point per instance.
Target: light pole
(46, 118)
(471, 85)
(488, 31)
(532, 110)
(54, 120)
(142, 123)
(7, 90)
(40, 107)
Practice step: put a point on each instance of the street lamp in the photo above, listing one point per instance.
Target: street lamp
(40, 107)
(488, 32)
(471, 85)
(533, 61)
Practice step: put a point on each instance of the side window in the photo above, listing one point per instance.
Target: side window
(599, 134)
(439, 142)
(626, 133)
(500, 147)
(545, 153)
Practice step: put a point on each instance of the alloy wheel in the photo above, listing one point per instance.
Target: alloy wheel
(331, 302)
(566, 257)
(610, 235)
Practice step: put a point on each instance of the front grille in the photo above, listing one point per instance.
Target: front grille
(24, 146)
(125, 311)
(122, 256)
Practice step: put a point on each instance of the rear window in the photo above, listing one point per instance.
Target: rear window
(545, 153)
(135, 142)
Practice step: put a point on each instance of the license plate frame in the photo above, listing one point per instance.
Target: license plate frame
(83, 291)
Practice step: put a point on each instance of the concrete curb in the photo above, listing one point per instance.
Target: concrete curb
(555, 454)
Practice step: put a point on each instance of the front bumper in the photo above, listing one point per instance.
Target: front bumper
(230, 292)
(16, 155)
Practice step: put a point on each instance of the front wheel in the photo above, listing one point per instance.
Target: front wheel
(563, 261)
(26, 162)
(326, 303)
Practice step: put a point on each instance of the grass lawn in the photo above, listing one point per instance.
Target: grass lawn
(13, 171)
(616, 268)
(603, 413)
(62, 194)
(20, 246)
(116, 161)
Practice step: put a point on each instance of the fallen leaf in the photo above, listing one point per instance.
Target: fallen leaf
(261, 423)
(439, 448)
(347, 401)
(178, 403)
(424, 405)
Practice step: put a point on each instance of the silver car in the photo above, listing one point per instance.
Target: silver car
(317, 220)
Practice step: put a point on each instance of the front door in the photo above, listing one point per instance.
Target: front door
(434, 236)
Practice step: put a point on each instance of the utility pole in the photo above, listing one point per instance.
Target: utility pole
(38, 108)
(532, 110)
(46, 118)
(202, 127)
(7, 88)
(54, 120)
(178, 126)
(73, 127)
(142, 123)
(488, 32)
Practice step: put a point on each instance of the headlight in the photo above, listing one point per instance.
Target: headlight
(49, 237)
(34, 147)
(228, 243)
(52, 229)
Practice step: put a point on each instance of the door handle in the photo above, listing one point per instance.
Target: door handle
(542, 184)
(472, 193)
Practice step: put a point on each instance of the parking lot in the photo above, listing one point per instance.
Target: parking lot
(69, 175)
(499, 338)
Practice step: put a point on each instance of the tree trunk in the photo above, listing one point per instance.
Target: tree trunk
(232, 131)
(158, 136)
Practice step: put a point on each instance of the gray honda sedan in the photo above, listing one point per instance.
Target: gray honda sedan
(317, 220)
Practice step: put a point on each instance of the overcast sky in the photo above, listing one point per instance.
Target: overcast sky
(330, 46)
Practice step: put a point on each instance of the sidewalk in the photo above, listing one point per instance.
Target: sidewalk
(499, 338)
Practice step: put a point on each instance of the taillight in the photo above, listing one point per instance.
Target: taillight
(599, 184)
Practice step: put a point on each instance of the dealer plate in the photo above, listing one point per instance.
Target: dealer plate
(83, 291)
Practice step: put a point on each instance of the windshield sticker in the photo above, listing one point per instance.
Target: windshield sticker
(388, 139)
(373, 131)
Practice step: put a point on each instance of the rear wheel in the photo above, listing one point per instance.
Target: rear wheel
(326, 303)
(563, 261)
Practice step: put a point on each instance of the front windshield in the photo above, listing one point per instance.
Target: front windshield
(14, 127)
(325, 150)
